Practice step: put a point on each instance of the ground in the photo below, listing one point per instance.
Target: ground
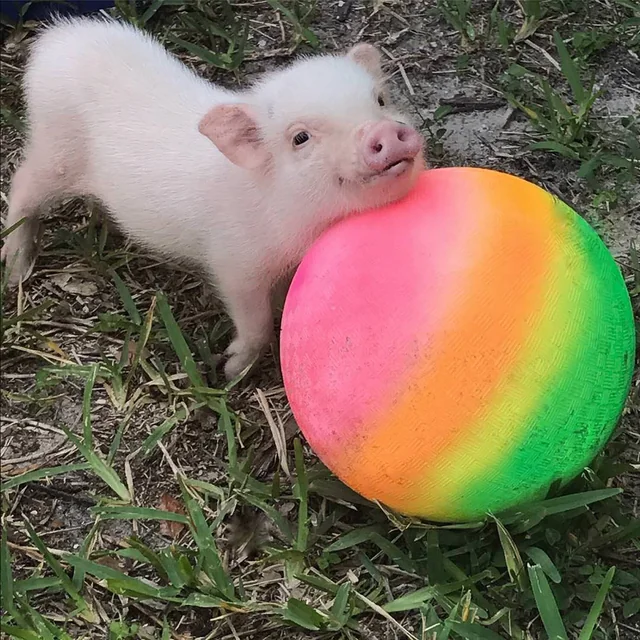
(112, 407)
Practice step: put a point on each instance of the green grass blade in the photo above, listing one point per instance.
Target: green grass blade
(150, 12)
(241, 44)
(541, 557)
(35, 584)
(307, 34)
(418, 598)
(121, 580)
(167, 634)
(86, 405)
(19, 633)
(471, 631)
(83, 552)
(550, 124)
(127, 299)
(226, 426)
(569, 69)
(515, 566)
(206, 27)
(409, 601)
(630, 4)
(145, 333)
(393, 552)
(160, 432)
(46, 628)
(532, 9)
(596, 608)
(303, 615)
(179, 343)
(202, 600)
(207, 487)
(210, 558)
(175, 568)
(631, 607)
(100, 467)
(339, 608)
(117, 438)
(588, 167)
(60, 573)
(435, 559)
(27, 315)
(301, 491)
(142, 553)
(138, 513)
(319, 582)
(546, 603)
(620, 534)
(352, 539)
(372, 535)
(561, 504)
(39, 474)
(271, 512)
(556, 147)
(221, 61)
(6, 576)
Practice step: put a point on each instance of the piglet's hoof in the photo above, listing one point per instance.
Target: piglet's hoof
(19, 264)
(241, 359)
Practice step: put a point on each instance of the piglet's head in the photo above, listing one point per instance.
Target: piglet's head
(324, 130)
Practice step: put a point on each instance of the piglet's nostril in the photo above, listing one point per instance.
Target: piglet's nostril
(389, 143)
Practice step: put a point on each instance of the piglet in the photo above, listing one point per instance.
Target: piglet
(239, 183)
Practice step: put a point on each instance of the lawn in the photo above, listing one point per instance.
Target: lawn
(142, 498)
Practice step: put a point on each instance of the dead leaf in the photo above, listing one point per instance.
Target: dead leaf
(169, 528)
(277, 431)
(55, 347)
(18, 471)
(111, 562)
(68, 283)
(131, 346)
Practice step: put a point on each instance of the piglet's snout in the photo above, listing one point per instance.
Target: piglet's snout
(387, 144)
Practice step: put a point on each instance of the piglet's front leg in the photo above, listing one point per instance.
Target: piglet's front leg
(249, 306)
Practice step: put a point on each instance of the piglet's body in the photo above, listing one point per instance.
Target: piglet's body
(239, 182)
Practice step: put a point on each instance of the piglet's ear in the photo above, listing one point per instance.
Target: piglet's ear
(234, 130)
(367, 56)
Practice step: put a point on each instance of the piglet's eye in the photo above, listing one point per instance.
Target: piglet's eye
(300, 138)
(381, 100)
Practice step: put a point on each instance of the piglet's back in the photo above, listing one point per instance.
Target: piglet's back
(134, 111)
(87, 60)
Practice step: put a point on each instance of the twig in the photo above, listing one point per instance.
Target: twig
(80, 498)
(32, 423)
(55, 454)
(464, 105)
(35, 455)
(545, 53)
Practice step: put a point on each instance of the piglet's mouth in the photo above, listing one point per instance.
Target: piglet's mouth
(392, 170)
(397, 168)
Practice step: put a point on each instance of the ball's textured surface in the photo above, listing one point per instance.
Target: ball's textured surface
(455, 353)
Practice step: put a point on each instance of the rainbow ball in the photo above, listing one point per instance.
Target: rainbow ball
(455, 353)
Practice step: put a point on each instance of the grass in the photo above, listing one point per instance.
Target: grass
(144, 498)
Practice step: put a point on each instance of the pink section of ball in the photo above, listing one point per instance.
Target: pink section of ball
(350, 307)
